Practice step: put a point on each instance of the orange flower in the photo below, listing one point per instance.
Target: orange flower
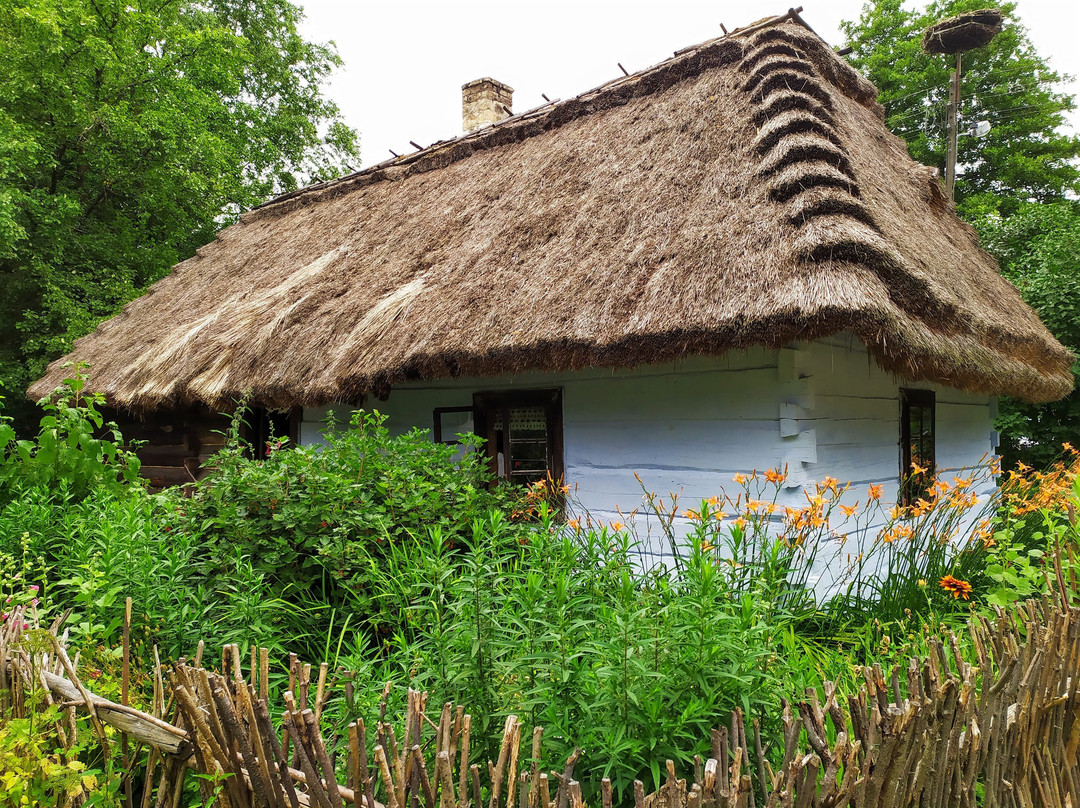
(920, 507)
(617, 525)
(741, 522)
(741, 479)
(897, 532)
(958, 588)
(875, 492)
(916, 469)
(714, 501)
(897, 512)
(691, 515)
(1068, 447)
(775, 476)
(706, 546)
(982, 533)
(574, 523)
(829, 484)
(849, 510)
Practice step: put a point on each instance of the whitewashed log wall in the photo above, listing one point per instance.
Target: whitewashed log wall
(823, 409)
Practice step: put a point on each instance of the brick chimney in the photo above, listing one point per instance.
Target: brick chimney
(485, 101)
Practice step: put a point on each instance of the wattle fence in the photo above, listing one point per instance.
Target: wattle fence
(938, 732)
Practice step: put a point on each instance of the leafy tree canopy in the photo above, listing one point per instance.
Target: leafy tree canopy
(130, 131)
(1017, 185)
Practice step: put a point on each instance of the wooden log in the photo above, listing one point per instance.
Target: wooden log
(141, 726)
(311, 777)
(322, 757)
(504, 754)
(388, 779)
(266, 731)
(562, 798)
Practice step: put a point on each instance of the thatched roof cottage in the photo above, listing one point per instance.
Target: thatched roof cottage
(719, 263)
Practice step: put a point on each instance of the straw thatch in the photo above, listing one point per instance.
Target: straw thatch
(963, 32)
(744, 192)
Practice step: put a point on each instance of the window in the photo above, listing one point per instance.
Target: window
(451, 422)
(261, 424)
(917, 439)
(523, 434)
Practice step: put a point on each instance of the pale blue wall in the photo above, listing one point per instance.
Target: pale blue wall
(824, 409)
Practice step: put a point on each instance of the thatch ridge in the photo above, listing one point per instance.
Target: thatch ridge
(728, 197)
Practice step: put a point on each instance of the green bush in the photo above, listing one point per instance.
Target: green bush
(74, 451)
(296, 540)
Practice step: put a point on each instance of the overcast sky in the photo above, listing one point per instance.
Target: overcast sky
(405, 62)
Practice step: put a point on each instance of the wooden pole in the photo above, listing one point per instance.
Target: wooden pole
(125, 687)
(950, 149)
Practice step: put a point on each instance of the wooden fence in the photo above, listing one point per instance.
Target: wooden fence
(934, 733)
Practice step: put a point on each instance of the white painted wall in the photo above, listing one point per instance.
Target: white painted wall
(824, 409)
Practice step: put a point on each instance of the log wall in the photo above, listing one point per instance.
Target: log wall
(174, 444)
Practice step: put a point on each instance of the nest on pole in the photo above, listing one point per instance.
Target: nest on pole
(963, 32)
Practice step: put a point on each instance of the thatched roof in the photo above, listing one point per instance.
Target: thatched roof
(744, 192)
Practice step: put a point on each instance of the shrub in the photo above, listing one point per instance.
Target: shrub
(307, 529)
(75, 450)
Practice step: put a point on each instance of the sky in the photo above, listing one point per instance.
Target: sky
(405, 62)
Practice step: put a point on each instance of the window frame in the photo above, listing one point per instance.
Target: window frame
(550, 399)
(912, 488)
(436, 431)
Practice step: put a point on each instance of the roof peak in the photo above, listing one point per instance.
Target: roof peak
(548, 115)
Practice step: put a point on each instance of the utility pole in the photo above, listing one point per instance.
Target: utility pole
(950, 148)
(965, 32)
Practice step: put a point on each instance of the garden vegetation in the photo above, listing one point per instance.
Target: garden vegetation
(395, 560)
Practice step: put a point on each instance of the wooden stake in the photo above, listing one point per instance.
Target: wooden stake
(464, 765)
(125, 684)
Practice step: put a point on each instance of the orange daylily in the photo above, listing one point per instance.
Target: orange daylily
(775, 476)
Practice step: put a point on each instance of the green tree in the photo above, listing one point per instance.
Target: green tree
(1038, 248)
(130, 131)
(1017, 184)
(1025, 157)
